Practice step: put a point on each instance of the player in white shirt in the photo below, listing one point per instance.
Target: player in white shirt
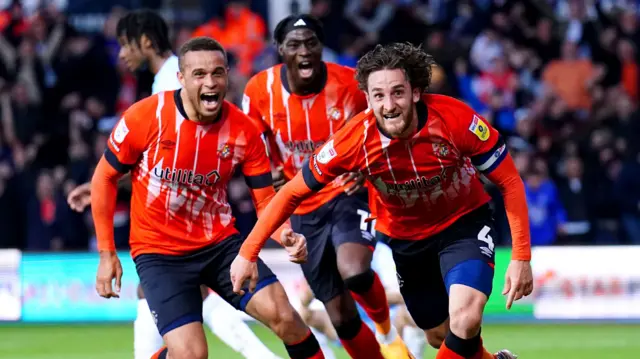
(144, 39)
(166, 79)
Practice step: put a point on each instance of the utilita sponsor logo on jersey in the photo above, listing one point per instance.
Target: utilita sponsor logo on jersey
(421, 184)
(188, 177)
(305, 147)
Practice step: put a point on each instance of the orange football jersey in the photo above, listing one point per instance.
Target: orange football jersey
(180, 170)
(297, 125)
(423, 184)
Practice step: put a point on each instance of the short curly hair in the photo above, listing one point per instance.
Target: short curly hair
(415, 62)
(145, 22)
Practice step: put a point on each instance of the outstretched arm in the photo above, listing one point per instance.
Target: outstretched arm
(261, 199)
(281, 206)
(332, 160)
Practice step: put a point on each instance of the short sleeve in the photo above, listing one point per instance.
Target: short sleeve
(477, 139)
(336, 157)
(127, 142)
(256, 166)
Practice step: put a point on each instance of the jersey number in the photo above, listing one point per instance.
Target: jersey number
(484, 236)
(367, 227)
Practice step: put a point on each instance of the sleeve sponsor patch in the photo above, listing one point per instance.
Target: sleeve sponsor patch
(479, 128)
(120, 132)
(327, 153)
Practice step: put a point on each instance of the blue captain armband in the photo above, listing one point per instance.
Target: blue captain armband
(489, 161)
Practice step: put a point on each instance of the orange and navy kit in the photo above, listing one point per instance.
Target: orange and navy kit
(430, 203)
(182, 228)
(298, 125)
(180, 171)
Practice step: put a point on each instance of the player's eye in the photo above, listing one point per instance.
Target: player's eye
(398, 93)
(378, 96)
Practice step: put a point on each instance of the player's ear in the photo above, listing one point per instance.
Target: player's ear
(180, 78)
(281, 50)
(366, 95)
(145, 42)
(415, 94)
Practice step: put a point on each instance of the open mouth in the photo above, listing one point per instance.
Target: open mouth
(391, 116)
(210, 100)
(306, 69)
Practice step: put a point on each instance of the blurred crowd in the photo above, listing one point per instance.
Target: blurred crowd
(558, 78)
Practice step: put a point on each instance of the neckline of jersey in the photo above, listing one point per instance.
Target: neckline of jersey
(423, 114)
(178, 100)
(285, 83)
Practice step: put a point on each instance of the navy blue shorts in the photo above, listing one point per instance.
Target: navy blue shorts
(171, 284)
(461, 254)
(341, 220)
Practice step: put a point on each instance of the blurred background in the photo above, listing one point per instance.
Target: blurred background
(558, 78)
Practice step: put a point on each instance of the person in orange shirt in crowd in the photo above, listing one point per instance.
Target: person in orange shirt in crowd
(627, 54)
(571, 78)
(241, 31)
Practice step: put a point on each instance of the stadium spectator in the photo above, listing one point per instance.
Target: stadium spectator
(368, 18)
(572, 78)
(59, 88)
(546, 214)
(241, 31)
(627, 190)
(48, 216)
(574, 193)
